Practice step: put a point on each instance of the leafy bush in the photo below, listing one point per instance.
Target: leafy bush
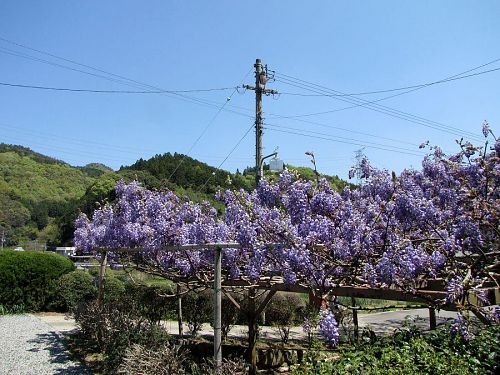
(229, 316)
(152, 303)
(114, 289)
(197, 308)
(76, 287)
(483, 349)
(30, 278)
(284, 311)
(16, 309)
(410, 352)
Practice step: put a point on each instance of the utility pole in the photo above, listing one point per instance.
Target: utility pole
(261, 77)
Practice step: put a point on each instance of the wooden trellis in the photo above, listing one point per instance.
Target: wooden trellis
(431, 295)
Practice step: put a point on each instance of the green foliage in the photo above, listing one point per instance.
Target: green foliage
(26, 152)
(114, 290)
(308, 173)
(284, 311)
(152, 302)
(190, 174)
(410, 352)
(95, 169)
(197, 308)
(15, 309)
(34, 190)
(30, 278)
(75, 288)
(482, 350)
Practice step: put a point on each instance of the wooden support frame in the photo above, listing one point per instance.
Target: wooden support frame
(274, 284)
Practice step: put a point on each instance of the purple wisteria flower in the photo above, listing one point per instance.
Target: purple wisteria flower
(393, 231)
(460, 327)
(328, 328)
(455, 290)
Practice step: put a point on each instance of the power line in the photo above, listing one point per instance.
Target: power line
(340, 141)
(112, 91)
(207, 126)
(229, 154)
(153, 89)
(364, 103)
(343, 138)
(377, 108)
(406, 116)
(329, 126)
(122, 80)
(395, 89)
(78, 141)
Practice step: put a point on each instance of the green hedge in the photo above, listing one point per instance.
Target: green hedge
(30, 279)
(76, 287)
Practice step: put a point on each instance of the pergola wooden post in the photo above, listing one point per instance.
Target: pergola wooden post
(217, 309)
(217, 287)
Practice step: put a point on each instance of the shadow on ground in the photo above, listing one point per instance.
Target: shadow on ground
(55, 345)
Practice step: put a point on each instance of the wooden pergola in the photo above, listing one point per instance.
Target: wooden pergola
(432, 294)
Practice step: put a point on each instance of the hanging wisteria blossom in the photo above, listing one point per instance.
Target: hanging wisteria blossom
(398, 232)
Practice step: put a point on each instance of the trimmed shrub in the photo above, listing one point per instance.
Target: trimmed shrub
(30, 278)
(114, 289)
(284, 311)
(197, 308)
(111, 328)
(230, 366)
(151, 301)
(76, 287)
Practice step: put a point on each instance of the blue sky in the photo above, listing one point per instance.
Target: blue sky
(349, 46)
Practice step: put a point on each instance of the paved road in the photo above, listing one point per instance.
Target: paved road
(380, 323)
(33, 344)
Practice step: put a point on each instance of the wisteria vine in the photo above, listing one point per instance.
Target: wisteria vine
(439, 222)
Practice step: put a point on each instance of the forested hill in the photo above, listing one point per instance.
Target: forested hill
(40, 196)
(190, 173)
(35, 190)
(29, 153)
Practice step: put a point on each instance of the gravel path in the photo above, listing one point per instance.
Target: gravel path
(30, 346)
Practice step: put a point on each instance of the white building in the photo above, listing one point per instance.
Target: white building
(66, 251)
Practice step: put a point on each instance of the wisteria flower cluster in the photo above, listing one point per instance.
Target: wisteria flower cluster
(328, 328)
(441, 221)
(151, 221)
(390, 232)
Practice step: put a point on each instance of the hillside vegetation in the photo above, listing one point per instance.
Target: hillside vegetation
(40, 196)
(34, 191)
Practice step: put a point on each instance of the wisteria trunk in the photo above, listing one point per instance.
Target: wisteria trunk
(252, 332)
